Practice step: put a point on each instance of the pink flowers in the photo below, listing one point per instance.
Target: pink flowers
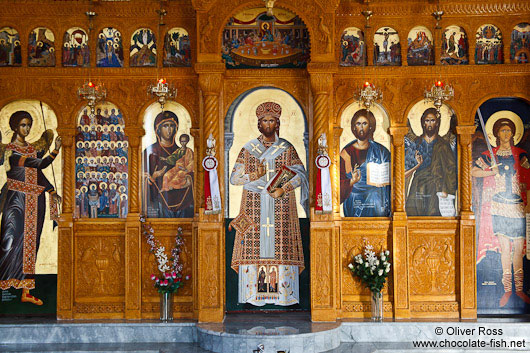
(153, 277)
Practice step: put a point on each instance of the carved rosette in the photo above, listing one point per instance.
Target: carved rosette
(398, 135)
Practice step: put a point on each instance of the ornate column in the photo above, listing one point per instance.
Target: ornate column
(133, 234)
(369, 44)
(334, 154)
(471, 44)
(65, 253)
(324, 252)
(211, 235)
(468, 303)
(404, 44)
(506, 42)
(437, 39)
(400, 239)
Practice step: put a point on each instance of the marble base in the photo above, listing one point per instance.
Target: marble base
(289, 332)
(103, 348)
(97, 332)
(294, 333)
(486, 330)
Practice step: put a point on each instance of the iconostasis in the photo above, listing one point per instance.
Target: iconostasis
(406, 175)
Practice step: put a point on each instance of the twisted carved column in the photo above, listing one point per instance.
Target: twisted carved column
(210, 242)
(65, 251)
(322, 88)
(464, 138)
(466, 234)
(323, 242)
(321, 80)
(398, 134)
(335, 169)
(132, 228)
(135, 138)
(400, 238)
(68, 137)
(210, 82)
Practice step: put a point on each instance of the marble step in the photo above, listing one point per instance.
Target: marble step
(293, 338)
(103, 348)
(491, 331)
(77, 332)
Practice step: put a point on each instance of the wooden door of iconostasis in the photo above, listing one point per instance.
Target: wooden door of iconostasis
(266, 211)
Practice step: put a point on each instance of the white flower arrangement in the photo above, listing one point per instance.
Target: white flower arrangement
(371, 269)
(171, 269)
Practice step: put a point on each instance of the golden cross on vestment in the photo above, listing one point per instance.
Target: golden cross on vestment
(268, 226)
(268, 171)
(255, 147)
(278, 147)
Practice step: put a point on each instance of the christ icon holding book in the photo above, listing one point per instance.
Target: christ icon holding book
(364, 171)
(267, 227)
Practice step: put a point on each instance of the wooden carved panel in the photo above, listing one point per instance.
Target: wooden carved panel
(468, 260)
(322, 274)
(64, 278)
(355, 235)
(99, 267)
(432, 264)
(210, 267)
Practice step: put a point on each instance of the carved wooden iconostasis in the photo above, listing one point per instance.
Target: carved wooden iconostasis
(103, 262)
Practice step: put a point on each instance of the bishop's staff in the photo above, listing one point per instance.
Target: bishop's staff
(53, 170)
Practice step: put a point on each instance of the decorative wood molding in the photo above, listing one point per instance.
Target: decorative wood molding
(434, 307)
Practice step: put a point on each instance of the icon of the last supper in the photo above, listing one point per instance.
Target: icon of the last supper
(254, 38)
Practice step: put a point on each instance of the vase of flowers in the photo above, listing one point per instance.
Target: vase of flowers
(373, 271)
(376, 305)
(166, 306)
(170, 278)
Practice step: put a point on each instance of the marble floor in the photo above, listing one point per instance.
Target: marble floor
(149, 336)
(105, 348)
(395, 347)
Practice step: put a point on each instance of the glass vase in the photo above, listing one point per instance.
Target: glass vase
(166, 306)
(377, 306)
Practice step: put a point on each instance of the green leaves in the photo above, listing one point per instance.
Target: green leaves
(372, 270)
